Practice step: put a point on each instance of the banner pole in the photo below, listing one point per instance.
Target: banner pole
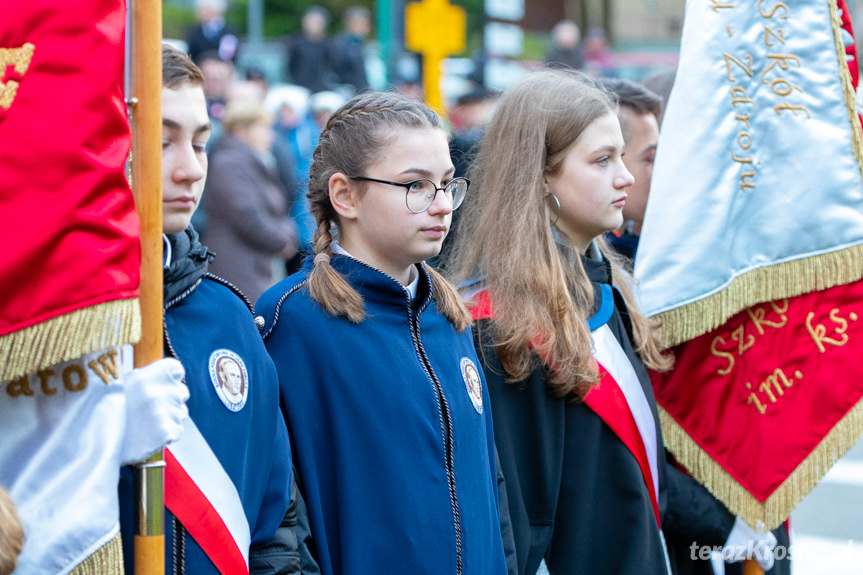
(751, 567)
(146, 119)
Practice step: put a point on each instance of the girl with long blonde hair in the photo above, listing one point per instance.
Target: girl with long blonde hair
(560, 339)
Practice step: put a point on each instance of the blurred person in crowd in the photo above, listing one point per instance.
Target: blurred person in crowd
(248, 224)
(322, 105)
(298, 131)
(211, 33)
(598, 57)
(468, 117)
(348, 50)
(258, 76)
(566, 46)
(218, 77)
(660, 84)
(309, 52)
(638, 112)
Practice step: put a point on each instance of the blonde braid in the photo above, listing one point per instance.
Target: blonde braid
(327, 286)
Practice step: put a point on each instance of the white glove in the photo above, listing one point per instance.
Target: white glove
(744, 543)
(155, 408)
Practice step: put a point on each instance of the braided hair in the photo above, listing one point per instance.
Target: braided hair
(355, 138)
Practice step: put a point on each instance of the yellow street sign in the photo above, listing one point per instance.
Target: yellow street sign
(435, 29)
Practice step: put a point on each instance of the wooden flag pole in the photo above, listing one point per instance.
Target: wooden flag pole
(751, 567)
(146, 95)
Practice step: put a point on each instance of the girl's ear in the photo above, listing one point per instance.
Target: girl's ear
(342, 196)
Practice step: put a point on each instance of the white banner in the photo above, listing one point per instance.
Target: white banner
(757, 166)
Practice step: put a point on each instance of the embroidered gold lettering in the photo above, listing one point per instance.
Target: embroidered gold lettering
(20, 386)
(68, 382)
(768, 31)
(757, 316)
(793, 107)
(754, 399)
(782, 87)
(106, 366)
(773, 387)
(765, 387)
(744, 343)
(717, 6)
(819, 332)
(773, 10)
(729, 59)
(782, 61)
(43, 381)
(19, 59)
(722, 354)
(739, 96)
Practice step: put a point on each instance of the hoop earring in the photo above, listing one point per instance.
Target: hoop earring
(555, 211)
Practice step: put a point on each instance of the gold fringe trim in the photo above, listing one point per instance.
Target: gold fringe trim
(779, 505)
(107, 560)
(69, 336)
(847, 85)
(769, 283)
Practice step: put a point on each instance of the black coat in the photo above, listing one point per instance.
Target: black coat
(576, 494)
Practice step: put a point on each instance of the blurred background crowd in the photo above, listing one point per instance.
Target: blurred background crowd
(274, 72)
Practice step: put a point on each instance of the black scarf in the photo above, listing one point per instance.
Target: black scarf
(189, 261)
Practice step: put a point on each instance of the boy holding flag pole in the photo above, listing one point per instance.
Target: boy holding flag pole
(72, 408)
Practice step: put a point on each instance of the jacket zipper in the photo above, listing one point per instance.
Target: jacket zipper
(446, 426)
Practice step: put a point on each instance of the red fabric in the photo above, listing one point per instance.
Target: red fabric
(200, 518)
(69, 232)
(606, 400)
(609, 403)
(718, 377)
(480, 307)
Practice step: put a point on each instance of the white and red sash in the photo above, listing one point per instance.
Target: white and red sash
(620, 402)
(202, 496)
(619, 399)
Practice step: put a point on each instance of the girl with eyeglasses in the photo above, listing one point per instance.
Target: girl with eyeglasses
(562, 343)
(381, 384)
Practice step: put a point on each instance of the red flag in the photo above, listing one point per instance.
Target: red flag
(70, 261)
(762, 407)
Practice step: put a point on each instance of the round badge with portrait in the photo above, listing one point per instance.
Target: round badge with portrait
(472, 382)
(230, 378)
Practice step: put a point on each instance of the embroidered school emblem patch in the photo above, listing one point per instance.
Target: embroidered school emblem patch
(230, 378)
(470, 374)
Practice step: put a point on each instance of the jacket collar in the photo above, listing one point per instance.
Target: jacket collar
(188, 263)
(377, 286)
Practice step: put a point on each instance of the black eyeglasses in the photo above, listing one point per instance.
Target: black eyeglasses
(419, 194)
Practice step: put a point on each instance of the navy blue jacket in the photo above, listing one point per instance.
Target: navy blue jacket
(204, 314)
(396, 458)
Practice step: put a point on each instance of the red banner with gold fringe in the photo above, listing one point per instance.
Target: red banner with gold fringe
(762, 407)
(70, 262)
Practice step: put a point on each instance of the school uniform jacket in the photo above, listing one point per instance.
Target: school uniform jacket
(578, 495)
(207, 320)
(390, 428)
